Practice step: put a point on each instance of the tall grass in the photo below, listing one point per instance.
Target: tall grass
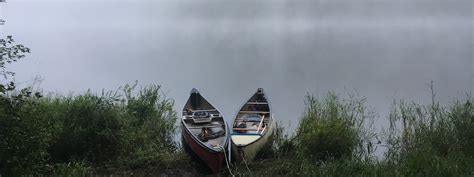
(431, 140)
(107, 130)
(334, 128)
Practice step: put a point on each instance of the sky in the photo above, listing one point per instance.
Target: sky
(381, 49)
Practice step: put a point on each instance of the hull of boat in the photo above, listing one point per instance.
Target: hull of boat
(247, 153)
(214, 160)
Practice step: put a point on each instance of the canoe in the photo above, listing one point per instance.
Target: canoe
(204, 131)
(252, 127)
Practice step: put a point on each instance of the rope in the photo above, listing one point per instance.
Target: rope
(243, 158)
(226, 160)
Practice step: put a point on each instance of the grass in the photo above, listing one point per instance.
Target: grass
(433, 139)
(125, 129)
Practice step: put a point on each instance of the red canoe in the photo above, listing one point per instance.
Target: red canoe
(205, 132)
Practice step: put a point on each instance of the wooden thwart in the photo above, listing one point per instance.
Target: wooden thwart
(191, 116)
(202, 110)
(247, 129)
(254, 112)
(200, 127)
(245, 120)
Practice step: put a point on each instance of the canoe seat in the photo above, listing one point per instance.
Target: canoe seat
(247, 129)
(244, 139)
(201, 110)
(251, 120)
(254, 112)
(210, 126)
(202, 119)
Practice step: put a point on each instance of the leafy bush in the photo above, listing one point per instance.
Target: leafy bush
(25, 133)
(9, 53)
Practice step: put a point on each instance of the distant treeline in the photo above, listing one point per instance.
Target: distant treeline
(132, 131)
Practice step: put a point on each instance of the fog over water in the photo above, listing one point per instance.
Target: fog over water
(383, 49)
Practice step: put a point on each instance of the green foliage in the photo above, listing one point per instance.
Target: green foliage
(91, 129)
(25, 133)
(432, 140)
(150, 129)
(9, 53)
(280, 145)
(72, 169)
(333, 129)
(135, 130)
(462, 116)
(283, 145)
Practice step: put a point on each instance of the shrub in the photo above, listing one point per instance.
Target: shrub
(150, 126)
(25, 133)
(91, 129)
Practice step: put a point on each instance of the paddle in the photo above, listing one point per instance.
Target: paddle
(260, 125)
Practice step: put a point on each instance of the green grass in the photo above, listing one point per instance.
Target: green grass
(432, 140)
(125, 129)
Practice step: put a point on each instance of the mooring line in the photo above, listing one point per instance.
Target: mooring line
(226, 160)
(245, 161)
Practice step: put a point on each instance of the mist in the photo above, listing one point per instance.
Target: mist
(380, 49)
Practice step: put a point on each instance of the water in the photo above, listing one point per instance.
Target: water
(227, 49)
